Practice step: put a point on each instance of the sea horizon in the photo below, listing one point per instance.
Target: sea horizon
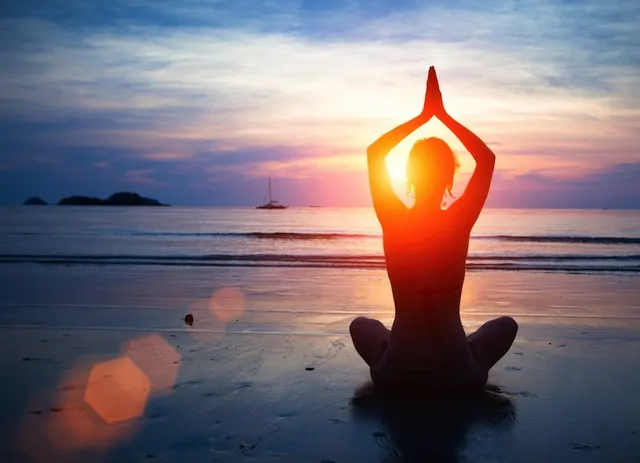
(253, 206)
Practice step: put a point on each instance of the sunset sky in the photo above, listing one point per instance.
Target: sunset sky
(198, 102)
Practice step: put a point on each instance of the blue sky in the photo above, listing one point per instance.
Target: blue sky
(198, 102)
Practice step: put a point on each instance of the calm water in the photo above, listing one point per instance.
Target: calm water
(552, 240)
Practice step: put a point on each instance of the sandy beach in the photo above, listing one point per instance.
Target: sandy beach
(99, 365)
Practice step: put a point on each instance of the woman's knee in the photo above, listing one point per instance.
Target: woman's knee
(509, 325)
(365, 330)
(356, 325)
(508, 328)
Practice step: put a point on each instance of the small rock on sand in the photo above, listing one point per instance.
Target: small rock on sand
(585, 448)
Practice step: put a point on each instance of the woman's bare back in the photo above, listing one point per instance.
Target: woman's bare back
(426, 259)
(425, 253)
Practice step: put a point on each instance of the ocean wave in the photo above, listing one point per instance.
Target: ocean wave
(561, 239)
(558, 263)
(566, 239)
(321, 257)
(264, 235)
(256, 235)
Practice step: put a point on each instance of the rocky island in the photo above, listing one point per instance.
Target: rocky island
(35, 201)
(124, 198)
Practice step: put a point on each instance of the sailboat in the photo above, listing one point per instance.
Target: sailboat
(271, 204)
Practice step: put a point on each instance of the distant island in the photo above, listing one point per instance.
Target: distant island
(124, 198)
(35, 201)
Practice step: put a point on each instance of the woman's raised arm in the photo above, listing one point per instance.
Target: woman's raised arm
(385, 202)
(467, 208)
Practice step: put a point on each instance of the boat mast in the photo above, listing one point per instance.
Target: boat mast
(269, 191)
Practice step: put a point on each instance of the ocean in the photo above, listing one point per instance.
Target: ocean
(582, 241)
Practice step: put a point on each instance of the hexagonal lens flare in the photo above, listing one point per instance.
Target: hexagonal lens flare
(117, 390)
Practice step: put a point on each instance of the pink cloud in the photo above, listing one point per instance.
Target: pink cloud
(165, 156)
(142, 176)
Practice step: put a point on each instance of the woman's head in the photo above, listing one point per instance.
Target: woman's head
(430, 169)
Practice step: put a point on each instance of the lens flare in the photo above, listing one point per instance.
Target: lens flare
(157, 359)
(212, 315)
(227, 304)
(64, 423)
(117, 390)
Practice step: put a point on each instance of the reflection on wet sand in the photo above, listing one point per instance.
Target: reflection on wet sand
(420, 428)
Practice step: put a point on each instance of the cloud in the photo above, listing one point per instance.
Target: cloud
(300, 88)
(140, 176)
(614, 187)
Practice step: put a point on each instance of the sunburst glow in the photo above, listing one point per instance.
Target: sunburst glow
(397, 169)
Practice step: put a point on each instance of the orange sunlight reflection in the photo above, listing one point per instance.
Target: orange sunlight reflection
(157, 359)
(117, 390)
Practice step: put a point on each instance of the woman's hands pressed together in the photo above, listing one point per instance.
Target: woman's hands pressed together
(433, 105)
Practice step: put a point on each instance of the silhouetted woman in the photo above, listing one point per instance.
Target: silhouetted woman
(426, 249)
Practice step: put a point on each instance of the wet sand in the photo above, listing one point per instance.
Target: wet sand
(99, 365)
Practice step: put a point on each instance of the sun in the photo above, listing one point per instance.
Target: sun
(397, 169)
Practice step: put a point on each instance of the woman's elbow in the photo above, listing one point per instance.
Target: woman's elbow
(489, 160)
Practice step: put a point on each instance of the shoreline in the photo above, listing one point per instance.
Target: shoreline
(230, 262)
